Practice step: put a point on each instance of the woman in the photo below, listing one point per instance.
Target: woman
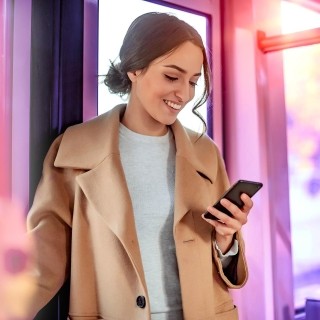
(120, 204)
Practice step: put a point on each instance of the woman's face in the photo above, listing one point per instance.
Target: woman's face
(161, 91)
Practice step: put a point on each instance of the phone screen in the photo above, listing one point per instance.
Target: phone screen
(233, 194)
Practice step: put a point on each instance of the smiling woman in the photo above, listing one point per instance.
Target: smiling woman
(127, 191)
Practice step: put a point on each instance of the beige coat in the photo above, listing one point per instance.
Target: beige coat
(83, 223)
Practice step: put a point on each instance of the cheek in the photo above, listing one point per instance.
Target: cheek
(152, 89)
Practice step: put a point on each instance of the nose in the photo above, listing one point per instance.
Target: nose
(184, 93)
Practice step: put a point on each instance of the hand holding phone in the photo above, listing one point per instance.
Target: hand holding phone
(233, 195)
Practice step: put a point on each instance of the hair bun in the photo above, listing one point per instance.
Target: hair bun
(116, 80)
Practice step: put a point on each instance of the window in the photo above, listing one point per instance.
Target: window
(302, 94)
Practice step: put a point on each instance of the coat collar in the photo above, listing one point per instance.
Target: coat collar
(86, 145)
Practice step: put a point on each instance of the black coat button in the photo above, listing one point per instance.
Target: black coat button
(141, 301)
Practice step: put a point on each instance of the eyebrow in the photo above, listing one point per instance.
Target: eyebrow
(181, 70)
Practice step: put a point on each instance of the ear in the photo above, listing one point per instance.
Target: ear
(133, 75)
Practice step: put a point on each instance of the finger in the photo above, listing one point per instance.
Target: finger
(223, 230)
(248, 203)
(210, 221)
(222, 218)
(220, 227)
(237, 213)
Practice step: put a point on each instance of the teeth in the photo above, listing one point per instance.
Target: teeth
(173, 105)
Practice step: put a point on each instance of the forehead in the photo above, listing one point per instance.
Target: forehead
(187, 56)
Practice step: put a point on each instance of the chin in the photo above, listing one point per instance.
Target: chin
(168, 121)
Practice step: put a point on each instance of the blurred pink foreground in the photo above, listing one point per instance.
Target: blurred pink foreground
(15, 261)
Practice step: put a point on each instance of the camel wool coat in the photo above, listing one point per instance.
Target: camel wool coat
(83, 226)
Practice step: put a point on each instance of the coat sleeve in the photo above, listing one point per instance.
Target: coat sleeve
(49, 225)
(235, 275)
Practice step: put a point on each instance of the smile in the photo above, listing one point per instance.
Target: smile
(173, 105)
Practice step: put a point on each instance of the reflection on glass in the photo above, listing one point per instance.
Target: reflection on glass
(113, 24)
(302, 92)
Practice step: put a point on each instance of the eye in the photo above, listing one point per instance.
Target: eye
(193, 84)
(171, 78)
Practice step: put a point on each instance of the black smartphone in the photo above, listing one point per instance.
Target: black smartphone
(233, 194)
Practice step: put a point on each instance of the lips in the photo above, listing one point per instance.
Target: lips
(173, 105)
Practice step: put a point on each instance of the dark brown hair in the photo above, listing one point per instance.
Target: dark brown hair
(150, 36)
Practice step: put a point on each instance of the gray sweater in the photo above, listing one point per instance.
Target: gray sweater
(149, 166)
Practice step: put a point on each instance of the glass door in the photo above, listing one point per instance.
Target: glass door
(302, 95)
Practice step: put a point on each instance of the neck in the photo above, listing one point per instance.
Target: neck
(134, 121)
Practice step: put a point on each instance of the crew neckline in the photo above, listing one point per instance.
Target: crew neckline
(132, 135)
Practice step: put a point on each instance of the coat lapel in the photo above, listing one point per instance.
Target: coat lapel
(94, 146)
(195, 175)
(105, 188)
(192, 175)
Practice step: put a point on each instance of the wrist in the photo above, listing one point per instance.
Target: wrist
(224, 242)
(227, 257)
